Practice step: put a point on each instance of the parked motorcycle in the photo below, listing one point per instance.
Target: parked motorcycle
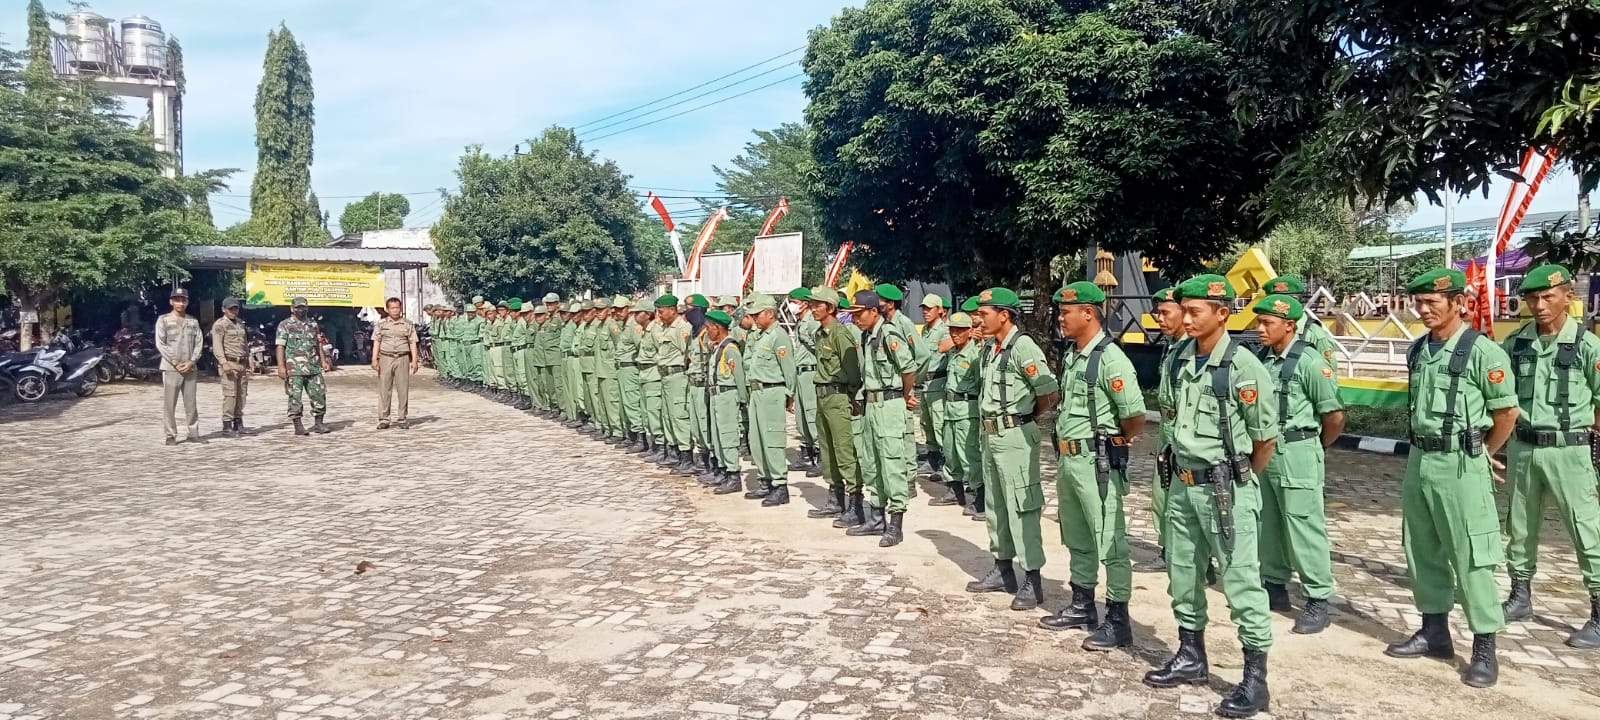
(136, 355)
(261, 358)
(54, 368)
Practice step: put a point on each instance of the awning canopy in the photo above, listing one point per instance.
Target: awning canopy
(230, 257)
(1382, 252)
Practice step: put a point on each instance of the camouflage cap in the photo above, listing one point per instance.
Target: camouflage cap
(1080, 293)
(1545, 277)
(297, 302)
(961, 320)
(233, 302)
(1437, 280)
(1284, 306)
(1207, 287)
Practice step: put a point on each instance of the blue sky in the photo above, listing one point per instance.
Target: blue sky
(404, 85)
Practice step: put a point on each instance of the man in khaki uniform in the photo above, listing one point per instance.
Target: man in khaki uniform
(180, 343)
(228, 346)
(394, 358)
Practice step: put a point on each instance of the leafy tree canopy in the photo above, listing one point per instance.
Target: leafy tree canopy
(375, 212)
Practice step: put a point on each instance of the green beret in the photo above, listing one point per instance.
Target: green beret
(667, 301)
(1285, 285)
(1002, 297)
(1545, 277)
(541, 310)
(719, 317)
(1080, 293)
(944, 303)
(800, 293)
(961, 320)
(503, 303)
(825, 294)
(552, 297)
(970, 305)
(699, 301)
(1168, 295)
(759, 302)
(1284, 306)
(1207, 287)
(1437, 280)
(890, 292)
(513, 305)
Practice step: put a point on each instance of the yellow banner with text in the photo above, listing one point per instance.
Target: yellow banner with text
(322, 284)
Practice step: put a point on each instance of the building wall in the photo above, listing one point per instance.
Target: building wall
(403, 239)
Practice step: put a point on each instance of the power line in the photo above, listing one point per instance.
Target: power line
(698, 107)
(689, 90)
(342, 197)
(691, 98)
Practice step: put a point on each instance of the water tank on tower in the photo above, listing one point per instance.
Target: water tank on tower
(144, 46)
(87, 39)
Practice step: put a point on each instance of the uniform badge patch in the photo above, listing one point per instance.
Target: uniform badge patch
(1442, 282)
(783, 352)
(894, 344)
(1116, 385)
(1327, 371)
(1248, 395)
(1070, 294)
(1496, 376)
(1280, 286)
(1031, 370)
(1217, 288)
(985, 296)
(1280, 306)
(1555, 278)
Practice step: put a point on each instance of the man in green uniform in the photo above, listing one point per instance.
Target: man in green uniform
(588, 355)
(804, 390)
(607, 403)
(672, 357)
(1226, 427)
(549, 345)
(571, 377)
(1293, 535)
(1168, 313)
(1017, 388)
(836, 380)
(934, 373)
(770, 371)
(1097, 424)
(699, 375)
(1463, 408)
(1310, 326)
(537, 314)
(629, 388)
(888, 391)
(495, 354)
(963, 458)
(301, 363)
(472, 329)
(1549, 453)
(517, 352)
(727, 391)
(650, 384)
(891, 297)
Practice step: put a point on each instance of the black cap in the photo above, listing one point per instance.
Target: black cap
(179, 292)
(230, 302)
(866, 299)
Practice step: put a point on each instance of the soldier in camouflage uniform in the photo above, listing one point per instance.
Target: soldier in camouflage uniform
(301, 362)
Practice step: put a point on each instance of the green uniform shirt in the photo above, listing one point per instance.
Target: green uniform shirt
(1486, 385)
(700, 348)
(935, 365)
(569, 334)
(649, 346)
(838, 358)
(908, 330)
(1252, 405)
(1539, 381)
(672, 344)
(519, 334)
(1317, 336)
(626, 347)
(587, 334)
(885, 355)
(1116, 392)
(805, 341)
(729, 371)
(605, 348)
(1012, 389)
(550, 341)
(768, 358)
(966, 377)
(1165, 397)
(472, 329)
(1313, 391)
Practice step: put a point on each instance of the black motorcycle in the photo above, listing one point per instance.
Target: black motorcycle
(53, 368)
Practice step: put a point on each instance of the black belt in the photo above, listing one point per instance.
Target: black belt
(1085, 446)
(700, 383)
(1200, 476)
(673, 370)
(805, 368)
(627, 364)
(1552, 438)
(496, 344)
(831, 389)
(1447, 443)
(881, 395)
(394, 354)
(996, 423)
(757, 385)
(937, 376)
(231, 358)
(716, 390)
(959, 396)
(1290, 436)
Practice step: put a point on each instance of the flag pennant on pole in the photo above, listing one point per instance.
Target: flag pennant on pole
(749, 268)
(1535, 166)
(777, 213)
(661, 209)
(836, 265)
(1480, 314)
(700, 243)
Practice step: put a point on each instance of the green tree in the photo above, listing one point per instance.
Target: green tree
(975, 142)
(377, 211)
(83, 202)
(39, 39)
(284, 120)
(199, 187)
(777, 165)
(554, 218)
(316, 223)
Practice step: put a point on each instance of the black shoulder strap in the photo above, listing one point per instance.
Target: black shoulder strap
(1291, 360)
(1005, 365)
(1566, 359)
(1091, 376)
(1458, 366)
(1172, 359)
(1222, 391)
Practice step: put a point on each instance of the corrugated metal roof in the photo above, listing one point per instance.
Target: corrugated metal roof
(234, 256)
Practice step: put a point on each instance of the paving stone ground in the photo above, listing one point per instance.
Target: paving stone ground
(491, 565)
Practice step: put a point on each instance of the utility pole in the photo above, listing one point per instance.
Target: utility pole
(1449, 223)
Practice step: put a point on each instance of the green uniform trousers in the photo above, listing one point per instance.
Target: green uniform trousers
(885, 475)
(1194, 539)
(932, 414)
(725, 427)
(963, 459)
(652, 401)
(301, 388)
(1013, 497)
(519, 370)
(699, 417)
(474, 369)
(572, 380)
(591, 398)
(548, 379)
(497, 366)
(805, 407)
(630, 395)
(909, 438)
(858, 428)
(1567, 476)
(1451, 534)
(836, 440)
(675, 409)
(611, 402)
(1094, 531)
(769, 433)
(530, 378)
(1294, 524)
(1158, 508)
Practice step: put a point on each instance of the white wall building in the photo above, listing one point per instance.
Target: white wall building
(403, 283)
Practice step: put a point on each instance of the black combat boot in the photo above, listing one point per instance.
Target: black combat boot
(854, 512)
(227, 429)
(727, 482)
(712, 476)
(953, 496)
(1187, 666)
(317, 426)
(778, 496)
(893, 530)
(1588, 636)
(1277, 597)
(1001, 578)
(1115, 632)
(936, 466)
(833, 507)
(1433, 640)
(799, 461)
(653, 449)
(813, 462)
(300, 428)
(762, 489)
(978, 506)
(1483, 670)
(1313, 618)
(871, 522)
(1250, 696)
(636, 443)
(702, 462)
(685, 464)
(1079, 613)
(238, 427)
(1155, 564)
(669, 456)
(1031, 594)
(1519, 604)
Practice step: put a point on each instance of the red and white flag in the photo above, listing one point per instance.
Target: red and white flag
(778, 212)
(1535, 166)
(836, 266)
(703, 240)
(749, 268)
(660, 208)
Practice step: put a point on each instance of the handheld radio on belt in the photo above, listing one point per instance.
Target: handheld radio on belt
(1102, 461)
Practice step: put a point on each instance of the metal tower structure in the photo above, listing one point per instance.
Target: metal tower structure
(129, 58)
